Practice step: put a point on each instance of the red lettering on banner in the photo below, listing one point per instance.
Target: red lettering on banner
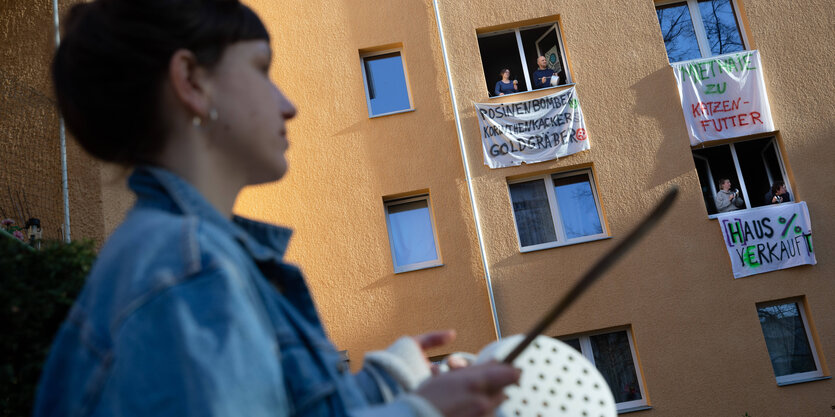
(736, 120)
(709, 108)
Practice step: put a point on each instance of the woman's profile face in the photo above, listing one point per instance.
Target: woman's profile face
(252, 112)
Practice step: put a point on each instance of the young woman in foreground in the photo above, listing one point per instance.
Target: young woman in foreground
(190, 310)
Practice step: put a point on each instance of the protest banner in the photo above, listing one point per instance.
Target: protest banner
(723, 96)
(768, 238)
(535, 130)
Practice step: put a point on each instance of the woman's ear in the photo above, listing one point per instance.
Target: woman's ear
(189, 82)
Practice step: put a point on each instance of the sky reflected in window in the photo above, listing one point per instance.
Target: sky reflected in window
(385, 83)
(677, 30)
(720, 26)
(578, 210)
(411, 234)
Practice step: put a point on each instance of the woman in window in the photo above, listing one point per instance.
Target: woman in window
(189, 310)
(727, 200)
(505, 85)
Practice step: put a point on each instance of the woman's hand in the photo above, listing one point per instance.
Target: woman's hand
(431, 340)
(472, 391)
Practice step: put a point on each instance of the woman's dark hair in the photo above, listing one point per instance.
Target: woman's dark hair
(114, 56)
(503, 71)
(776, 187)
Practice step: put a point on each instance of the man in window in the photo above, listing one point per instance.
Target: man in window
(778, 194)
(542, 76)
(727, 200)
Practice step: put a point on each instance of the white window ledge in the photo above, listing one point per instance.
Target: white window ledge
(391, 113)
(416, 267)
(555, 87)
(551, 245)
(801, 381)
(634, 409)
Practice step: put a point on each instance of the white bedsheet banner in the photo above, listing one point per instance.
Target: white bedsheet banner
(723, 96)
(768, 238)
(531, 131)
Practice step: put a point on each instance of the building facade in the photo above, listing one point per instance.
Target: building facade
(401, 227)
(381, 152)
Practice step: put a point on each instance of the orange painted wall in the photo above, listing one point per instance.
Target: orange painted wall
(30, 161)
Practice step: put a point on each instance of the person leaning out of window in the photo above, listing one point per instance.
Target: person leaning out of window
(505, 85)
(546, 77)
(777, 194)
(727, 200)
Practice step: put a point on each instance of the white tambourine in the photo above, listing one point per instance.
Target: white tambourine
(556, 381)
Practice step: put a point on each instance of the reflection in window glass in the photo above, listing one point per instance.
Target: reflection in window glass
(677, 30)
(385, 84)
(613, 358)
(785, 337)
(533, 213)
(411, 233)
(613, 355)
(578, 210)
(720, 26)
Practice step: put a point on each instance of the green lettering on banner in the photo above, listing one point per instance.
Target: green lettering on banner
(736, 235)
(751, 257)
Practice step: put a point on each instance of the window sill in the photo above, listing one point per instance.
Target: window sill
(748, 210)
(556, 87)
(708, 57)
(391, 113)
(552, 245)
(416, 267)
(634, 409)
(802, 381)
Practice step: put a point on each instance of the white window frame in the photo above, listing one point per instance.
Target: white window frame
(518, 31)
(562, 240)
(802, 376)
(587, 352)
(419, 265)
(714, 186)
(363, 57)
(699, 28)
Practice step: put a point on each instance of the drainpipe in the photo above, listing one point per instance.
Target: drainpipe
(64, 183)
(467, 174)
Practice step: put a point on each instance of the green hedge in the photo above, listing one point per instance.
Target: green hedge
(37, 289)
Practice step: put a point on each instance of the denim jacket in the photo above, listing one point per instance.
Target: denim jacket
(187, 313)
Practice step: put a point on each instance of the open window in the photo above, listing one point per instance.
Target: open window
(386, 90)
(700, 28)
(752, 166)
(613, 354)
(518, 49)
(412, 236)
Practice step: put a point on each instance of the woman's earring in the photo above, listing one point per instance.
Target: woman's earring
(213, 114)
(196, 121)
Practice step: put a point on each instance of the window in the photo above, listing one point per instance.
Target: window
(386, 90)
(411, 234)
(699, 28)
(752, 166)
(789, 341)
(555, 210)
(518, 50)
(613, 354)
